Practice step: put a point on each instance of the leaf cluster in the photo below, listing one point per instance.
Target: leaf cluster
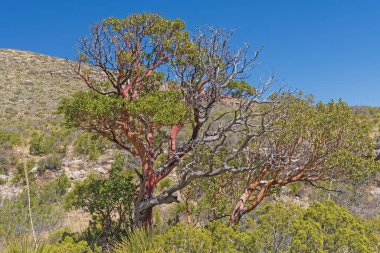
(279, 227)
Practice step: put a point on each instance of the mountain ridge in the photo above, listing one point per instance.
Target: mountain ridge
(40, 81)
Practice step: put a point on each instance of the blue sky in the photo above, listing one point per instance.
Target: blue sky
(330, 48)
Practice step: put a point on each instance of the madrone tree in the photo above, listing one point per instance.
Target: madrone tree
(179, 103)
(317, 142)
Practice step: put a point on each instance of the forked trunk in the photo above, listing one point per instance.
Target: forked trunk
(106, 234)
(147, 215)
(241, 208)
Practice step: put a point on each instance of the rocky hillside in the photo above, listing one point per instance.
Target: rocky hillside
(31, 85)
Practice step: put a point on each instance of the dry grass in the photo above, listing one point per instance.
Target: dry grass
(31, 86)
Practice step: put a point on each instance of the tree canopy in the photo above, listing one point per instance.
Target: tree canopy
(180, 103)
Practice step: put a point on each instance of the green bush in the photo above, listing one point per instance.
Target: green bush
(41, 144)
(3, 181)
(52, 192)
(191, 239)
(3, 165)
(182, 238)
(19, 174)
(8, 138)
(68, 245)
(90, 144)
(108, 200)
(49, 163)
(342, 232)
(322, 227)
(46, 143)
(295, 187)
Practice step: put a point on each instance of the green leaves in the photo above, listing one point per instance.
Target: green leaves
(108, 200)
(151, 23)
(329, 135)
(160, 108)
(87, 109)
(161, 35)
(68, 245)
(279, 227)
(103, 196)
(91, 144)
(341, 230)
(240, 89)
(91, 110)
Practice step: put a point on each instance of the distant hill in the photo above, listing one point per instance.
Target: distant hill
(31, 86)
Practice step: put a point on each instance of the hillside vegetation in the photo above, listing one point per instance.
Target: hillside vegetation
(70, 181)
(32, 85)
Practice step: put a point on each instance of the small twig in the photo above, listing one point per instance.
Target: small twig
(321, 187)
(221, 217)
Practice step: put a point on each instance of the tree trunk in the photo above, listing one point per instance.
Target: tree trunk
(106, 233)
(144, 218)
(147, 215)
(241, 208)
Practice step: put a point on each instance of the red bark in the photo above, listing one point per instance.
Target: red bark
(150, 183)
(172, 141)
(241, 209)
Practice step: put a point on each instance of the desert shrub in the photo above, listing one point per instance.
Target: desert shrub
(108, 200)
(295, 187)
(342, 231)
(322, 227)
(8, 138)
(52, 192)
(186, 238)
(54, 141)
(137, 241)
(41, 144)
(281, 227)
(164, 183)
(3, 165)
(179, 238)
(51, 162)
(7, 141)
(3, 181)
(19, 174)
(90, 144)
(68, 245)
(25, 245)
(46, 209)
